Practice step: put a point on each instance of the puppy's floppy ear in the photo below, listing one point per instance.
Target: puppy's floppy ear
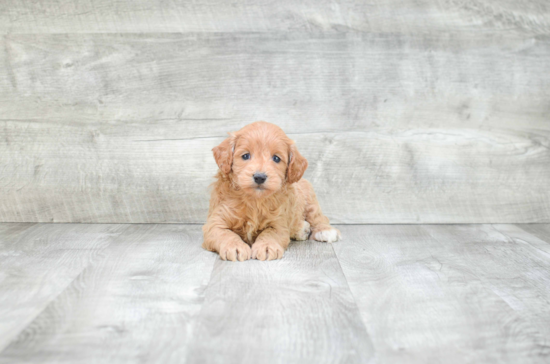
(223, 154)
(296, 166)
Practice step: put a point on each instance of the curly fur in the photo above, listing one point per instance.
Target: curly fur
(247, 220)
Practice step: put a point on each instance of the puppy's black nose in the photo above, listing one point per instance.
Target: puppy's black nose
(260, 178)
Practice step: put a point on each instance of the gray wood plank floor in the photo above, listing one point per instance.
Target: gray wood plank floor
(122, 16)
(96, 293)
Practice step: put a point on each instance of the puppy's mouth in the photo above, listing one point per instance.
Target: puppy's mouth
(259, 189)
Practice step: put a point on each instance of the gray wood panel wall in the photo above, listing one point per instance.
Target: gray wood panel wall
(408, 112)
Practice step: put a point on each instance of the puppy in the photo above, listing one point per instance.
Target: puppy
(259, 200)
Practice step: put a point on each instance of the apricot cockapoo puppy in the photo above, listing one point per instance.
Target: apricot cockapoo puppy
(260, 201)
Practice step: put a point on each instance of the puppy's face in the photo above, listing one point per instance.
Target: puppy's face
(260, 159)
(259, 163)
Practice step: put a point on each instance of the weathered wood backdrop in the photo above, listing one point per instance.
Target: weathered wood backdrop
(408, 111)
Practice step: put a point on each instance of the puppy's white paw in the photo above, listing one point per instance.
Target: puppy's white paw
(303, 233)
(329, 235)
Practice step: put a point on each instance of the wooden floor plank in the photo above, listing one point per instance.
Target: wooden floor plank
(9, 232)
(525, 238)
(542, 231)
(134, 305)
(295, 310)
(76, 293)
(424, 293)
(430, 17)
(37, 262)
(515, 266)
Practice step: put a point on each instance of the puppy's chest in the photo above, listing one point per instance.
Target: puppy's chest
(250, 226)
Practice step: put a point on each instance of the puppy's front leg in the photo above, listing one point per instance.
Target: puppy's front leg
(229, 245)
(271, 244)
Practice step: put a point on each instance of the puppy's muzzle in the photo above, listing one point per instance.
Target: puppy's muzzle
(260, 178)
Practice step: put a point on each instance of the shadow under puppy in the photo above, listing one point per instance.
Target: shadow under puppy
(260, 201)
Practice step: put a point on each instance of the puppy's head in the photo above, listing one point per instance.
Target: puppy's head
(260, 159)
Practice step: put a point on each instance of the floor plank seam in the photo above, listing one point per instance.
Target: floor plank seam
(51, 301)
(62, 291)
(193, 323)
(373, 359)
(525, 241)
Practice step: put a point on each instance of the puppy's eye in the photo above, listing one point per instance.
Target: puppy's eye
(246, 156)
(276, 159)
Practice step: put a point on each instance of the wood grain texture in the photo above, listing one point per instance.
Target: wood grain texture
(77, 293)
(136, 304)
(448, 293)
(515, 265)
(296, 310)
(172, 86)
(38, 262)
(379, 176)
(538, 239)
(53, 16)
(397, 128)
(542, 231)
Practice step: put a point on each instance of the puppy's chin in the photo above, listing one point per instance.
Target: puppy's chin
(258, 191)
(255, 191)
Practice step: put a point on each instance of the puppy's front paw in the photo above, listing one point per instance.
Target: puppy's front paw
(263, 250)
(329, 235)
(233, 250)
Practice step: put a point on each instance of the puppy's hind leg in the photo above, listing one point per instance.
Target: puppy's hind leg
(321, 230)
(302, 233)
